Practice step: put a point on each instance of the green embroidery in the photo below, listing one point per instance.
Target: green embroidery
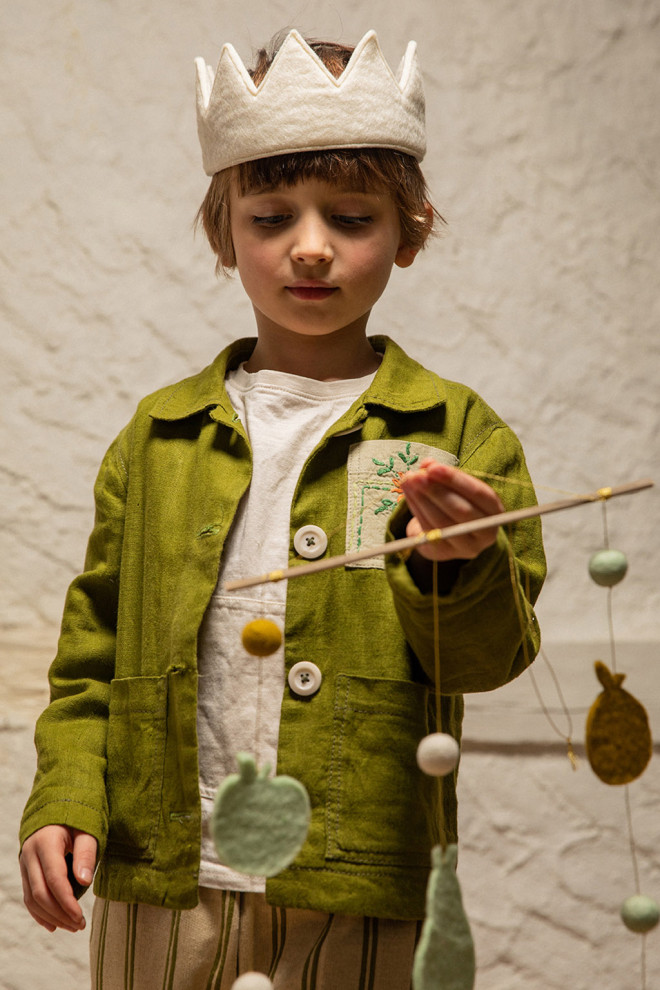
(365, 488)
(385, 505)
(387, 467)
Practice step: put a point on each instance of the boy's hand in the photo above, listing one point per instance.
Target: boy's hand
(47, 892)
(439, 496)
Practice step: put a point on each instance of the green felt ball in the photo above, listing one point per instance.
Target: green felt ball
(608, 567)
(640, 913)
(259, 823)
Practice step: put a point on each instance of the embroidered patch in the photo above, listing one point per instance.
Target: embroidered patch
(375, 468)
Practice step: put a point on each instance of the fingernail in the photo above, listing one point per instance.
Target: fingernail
(85, 876)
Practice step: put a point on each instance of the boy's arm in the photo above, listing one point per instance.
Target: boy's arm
(69, 786)
(487, 629)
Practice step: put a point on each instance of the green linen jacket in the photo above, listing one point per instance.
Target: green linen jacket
(117, 745)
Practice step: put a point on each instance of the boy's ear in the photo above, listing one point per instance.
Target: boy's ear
(406, 254)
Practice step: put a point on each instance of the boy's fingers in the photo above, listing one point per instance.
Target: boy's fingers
(440, 496)
(60, 900)
(41, 903)
(47, 891)
(84, 857)
(480, 495)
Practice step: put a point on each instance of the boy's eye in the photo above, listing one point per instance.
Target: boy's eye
(353, 221)
(270, 221)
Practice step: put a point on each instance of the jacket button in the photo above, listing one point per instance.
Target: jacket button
(310, 542)
(305, 678)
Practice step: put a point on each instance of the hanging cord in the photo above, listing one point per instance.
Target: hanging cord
(567, 737)
(438, 693)
(626, 790)
(633, 854)
(525, 624)
(610, 616)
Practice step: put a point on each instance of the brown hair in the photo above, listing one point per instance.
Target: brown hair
(361, 169)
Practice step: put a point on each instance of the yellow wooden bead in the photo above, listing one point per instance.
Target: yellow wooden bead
(261, 637)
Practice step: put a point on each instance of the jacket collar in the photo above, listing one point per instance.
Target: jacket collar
(400, 384)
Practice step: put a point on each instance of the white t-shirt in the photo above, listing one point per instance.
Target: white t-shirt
(240, 696)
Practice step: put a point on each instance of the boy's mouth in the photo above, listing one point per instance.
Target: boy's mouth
(311, 290)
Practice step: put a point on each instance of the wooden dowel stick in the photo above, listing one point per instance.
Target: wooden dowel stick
(435, 535)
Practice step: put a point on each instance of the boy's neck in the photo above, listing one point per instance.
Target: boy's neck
(327, 357)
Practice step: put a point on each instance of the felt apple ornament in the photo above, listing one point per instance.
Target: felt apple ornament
(259, 822)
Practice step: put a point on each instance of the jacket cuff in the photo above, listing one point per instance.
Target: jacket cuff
(61, 809)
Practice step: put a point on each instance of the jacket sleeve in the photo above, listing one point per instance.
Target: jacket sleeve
(69, 787)
(487, 630)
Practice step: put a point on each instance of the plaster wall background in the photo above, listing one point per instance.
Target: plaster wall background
(543, 157)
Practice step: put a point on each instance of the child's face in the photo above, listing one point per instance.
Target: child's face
(314, 258)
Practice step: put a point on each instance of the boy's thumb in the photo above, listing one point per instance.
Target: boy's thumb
(84, 857)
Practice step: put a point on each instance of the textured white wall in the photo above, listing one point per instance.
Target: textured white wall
(543, 157)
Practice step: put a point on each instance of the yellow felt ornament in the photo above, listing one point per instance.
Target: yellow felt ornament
(261, 637)
(618, 733)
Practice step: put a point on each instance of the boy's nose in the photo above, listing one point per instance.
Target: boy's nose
(311, 244)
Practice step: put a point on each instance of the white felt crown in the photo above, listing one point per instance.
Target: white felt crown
(301, 106)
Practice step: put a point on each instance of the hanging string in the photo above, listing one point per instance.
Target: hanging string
(567, 737)
(525, 624)
(638, 890)
(438, 692)
(610, 616)
(631, 839)
(626, 790)
(518, 482)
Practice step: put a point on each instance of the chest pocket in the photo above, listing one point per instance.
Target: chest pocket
(375, 469)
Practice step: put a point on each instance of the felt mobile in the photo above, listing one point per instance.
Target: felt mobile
(260, 824)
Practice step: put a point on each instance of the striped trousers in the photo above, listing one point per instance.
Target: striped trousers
(141, 947)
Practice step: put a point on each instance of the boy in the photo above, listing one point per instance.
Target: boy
(297, 445)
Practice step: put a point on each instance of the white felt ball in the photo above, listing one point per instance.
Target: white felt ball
(437, 754)
(252, 981)
(640, 913)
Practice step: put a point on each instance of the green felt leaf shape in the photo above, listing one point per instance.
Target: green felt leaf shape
(444, 959)
(259, 823)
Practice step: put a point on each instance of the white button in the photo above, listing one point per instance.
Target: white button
(305, 678)
(310, 542)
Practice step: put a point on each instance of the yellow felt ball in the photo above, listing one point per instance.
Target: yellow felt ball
(618, 735)
(261, 637)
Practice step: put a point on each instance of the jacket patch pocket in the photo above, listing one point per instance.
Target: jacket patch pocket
(381, 808)
(375, 469)
(136, 751)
